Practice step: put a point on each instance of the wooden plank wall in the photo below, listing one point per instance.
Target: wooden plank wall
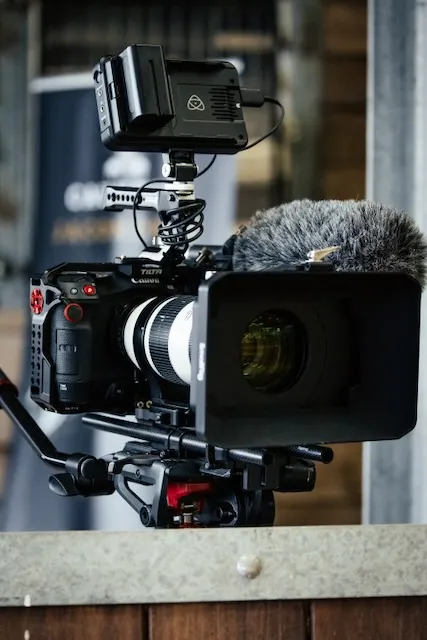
(344, 98)
(379, 618)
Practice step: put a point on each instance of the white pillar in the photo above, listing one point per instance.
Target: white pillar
(419, 436)
(395, 473)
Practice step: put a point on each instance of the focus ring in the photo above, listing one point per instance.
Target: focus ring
(158, 339)
(139, 330)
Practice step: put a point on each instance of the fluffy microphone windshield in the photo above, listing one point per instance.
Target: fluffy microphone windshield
(371, 237)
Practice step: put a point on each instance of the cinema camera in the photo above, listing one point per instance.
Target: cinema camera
(230, 383)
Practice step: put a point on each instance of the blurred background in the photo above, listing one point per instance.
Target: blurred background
(311, 54)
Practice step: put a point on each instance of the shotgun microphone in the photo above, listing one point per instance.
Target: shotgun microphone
(370, 237)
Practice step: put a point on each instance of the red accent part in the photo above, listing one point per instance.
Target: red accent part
(89, 289)
(73, 312)
(36, 301)
(178, 490)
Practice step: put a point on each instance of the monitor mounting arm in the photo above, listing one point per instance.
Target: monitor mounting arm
(180, 212)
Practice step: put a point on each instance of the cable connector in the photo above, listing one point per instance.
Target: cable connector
(252, 98)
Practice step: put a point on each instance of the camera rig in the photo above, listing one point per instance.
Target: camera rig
(168, 475)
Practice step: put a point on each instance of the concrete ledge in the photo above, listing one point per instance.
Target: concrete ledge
(78, 568)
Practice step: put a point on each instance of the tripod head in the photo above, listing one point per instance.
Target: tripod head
(183, 481)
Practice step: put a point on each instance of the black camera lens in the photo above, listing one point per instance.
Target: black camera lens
(273, 351)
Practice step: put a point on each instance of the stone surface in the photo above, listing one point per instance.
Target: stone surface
(73, 568)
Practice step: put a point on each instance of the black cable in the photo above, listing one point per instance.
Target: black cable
(208, 166)
(135, 203)
(189, 228)
(262, 138)
(276, 126)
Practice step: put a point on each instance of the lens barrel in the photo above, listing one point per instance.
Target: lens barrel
(157, 333)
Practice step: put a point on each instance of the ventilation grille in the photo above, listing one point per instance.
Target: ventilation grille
(223, 104)
(36, 339)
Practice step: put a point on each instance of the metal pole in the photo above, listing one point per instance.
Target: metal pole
(395, 474)
(419, 435)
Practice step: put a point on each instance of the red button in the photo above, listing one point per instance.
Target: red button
(89, 289)
(73, 312)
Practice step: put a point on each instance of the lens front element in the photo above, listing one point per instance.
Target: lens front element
(273, 351)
